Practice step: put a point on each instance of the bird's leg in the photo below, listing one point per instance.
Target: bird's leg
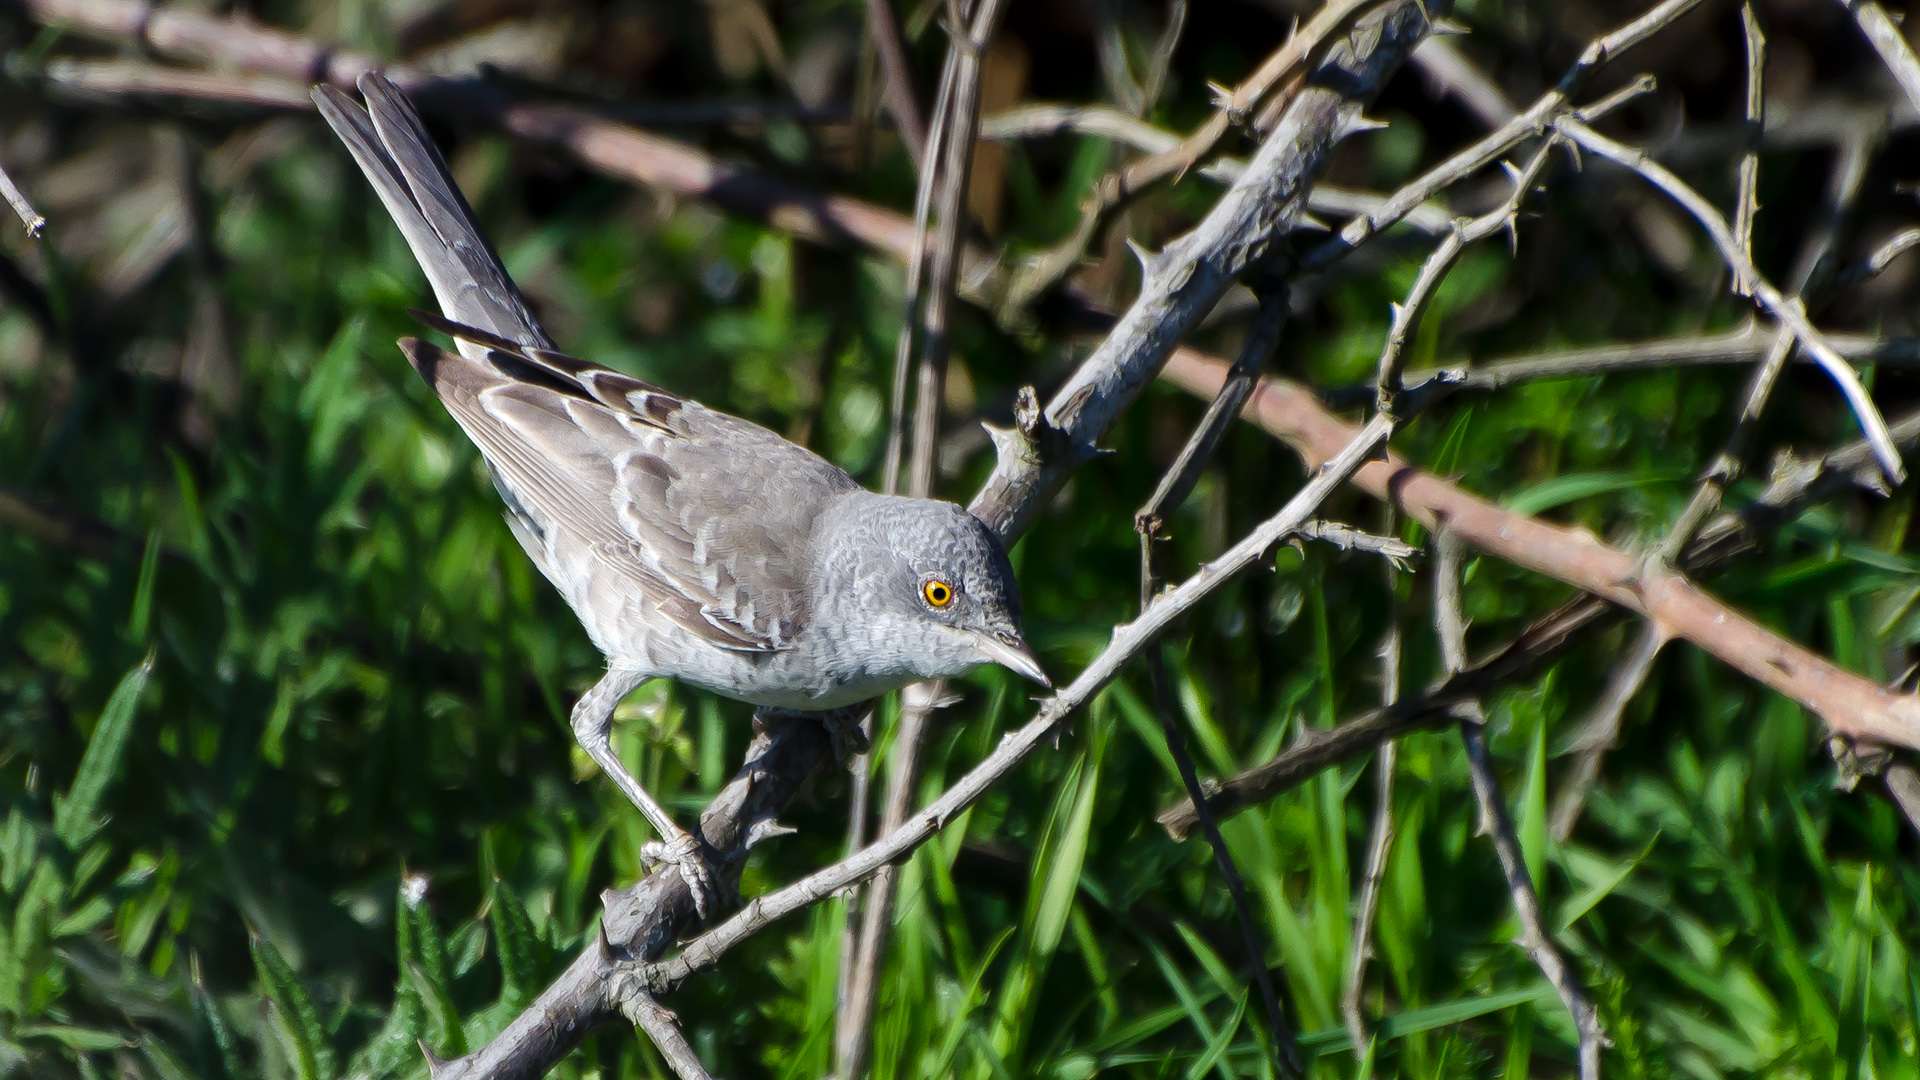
(678, 848)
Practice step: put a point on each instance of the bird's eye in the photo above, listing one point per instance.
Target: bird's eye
(937, 593)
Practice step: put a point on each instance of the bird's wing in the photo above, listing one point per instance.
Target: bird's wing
(704, 515)
(659, 496)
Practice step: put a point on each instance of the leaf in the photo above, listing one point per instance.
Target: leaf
(142, 614)
(1446, 1014)
(523, 956)
(74, 817)
(298, 1022)
(1576, 486)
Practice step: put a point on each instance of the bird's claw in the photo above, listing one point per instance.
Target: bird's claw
(684, 853)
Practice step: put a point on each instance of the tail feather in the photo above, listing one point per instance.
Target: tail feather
(391, 147)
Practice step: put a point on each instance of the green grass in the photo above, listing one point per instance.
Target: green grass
(289, 784)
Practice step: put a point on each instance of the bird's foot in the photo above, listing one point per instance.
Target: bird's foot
(687, 855)
(846, 733)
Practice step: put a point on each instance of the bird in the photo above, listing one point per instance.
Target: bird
(692, 545)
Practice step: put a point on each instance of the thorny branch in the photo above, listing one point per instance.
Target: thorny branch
(1794, 486)
(1494, 820)
(1789, 313)
(645, 919)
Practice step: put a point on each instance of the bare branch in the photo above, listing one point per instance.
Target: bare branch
(1185, 279)
(1600, 731)
(1887, 40)
(1747, 202)
(1380, 836)
(1495, 823)
(1496, 143)
(1788, 312)
(1290, 415)
(884, 28)
(1172, 491)
(21, 207)
(1848, 703)
(664, 1029)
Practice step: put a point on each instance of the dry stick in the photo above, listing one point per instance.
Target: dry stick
(1887, 40)
(1747, 183)
(1172, 491)
(1114, 191)
(1598, 733)
(1128, 641)
(1290, 414)
(896, 78)
(18, 200)
(1745, 343)
(853, 1034)
(1380, 836)
(664, 1029)
(1190, 274)
(1495, 823)
(1787, 312)
(1106, 122)
(1496, 143)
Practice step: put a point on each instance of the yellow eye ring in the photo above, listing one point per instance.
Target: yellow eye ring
(937, 593)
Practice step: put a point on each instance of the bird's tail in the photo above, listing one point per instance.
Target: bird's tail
(393, 150)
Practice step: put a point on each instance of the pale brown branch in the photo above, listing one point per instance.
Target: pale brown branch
(1847, 703)
(663, 1027)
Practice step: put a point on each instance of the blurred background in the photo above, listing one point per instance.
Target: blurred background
(283, 707)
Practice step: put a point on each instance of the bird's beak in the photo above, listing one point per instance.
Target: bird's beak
(1013, 654)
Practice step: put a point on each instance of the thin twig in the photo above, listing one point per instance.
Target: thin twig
(1285, 68)
(961, 115)
(1380, 836)
(1747, 201)
(1495, 823)
(1407, 315)
(18, 200)
(883, 26)
(1787, 312)
(1600, 731)
(1748, 342)
(1887, 40)
(1493, 145)
(1178, 481)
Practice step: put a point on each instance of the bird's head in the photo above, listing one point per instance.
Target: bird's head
(936, 578)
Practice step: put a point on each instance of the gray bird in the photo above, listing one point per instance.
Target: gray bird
(692, 545)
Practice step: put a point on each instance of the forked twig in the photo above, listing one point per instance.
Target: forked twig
(1788, 313)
